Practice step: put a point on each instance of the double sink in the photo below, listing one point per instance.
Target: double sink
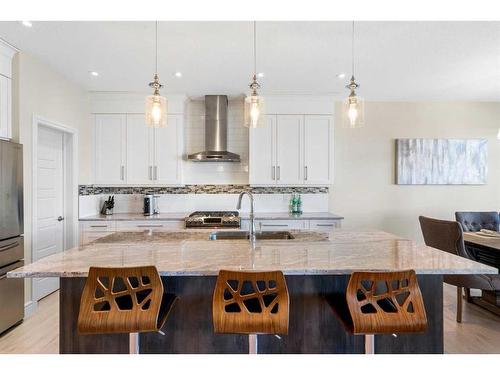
(245, 235)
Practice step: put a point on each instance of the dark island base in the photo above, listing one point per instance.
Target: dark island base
(314, 328)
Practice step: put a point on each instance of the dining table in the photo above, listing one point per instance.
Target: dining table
(485, 248)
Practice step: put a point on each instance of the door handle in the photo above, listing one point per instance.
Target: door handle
(60, 218)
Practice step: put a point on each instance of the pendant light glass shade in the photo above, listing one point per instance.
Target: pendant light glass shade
(156, 105)
(156, 111)
(353, 108)
(254, 103)
(254, 110)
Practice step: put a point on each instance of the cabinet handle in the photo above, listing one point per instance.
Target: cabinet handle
(305, 173)
(149, 225)
(324, 225)
(274, 225)
(98, 226)
(122, 173)
(274, 172)
(150, 172)
(279, 174)
(156, 172)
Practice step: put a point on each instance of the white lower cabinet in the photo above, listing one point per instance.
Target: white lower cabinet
(155, 226)
(93, 230)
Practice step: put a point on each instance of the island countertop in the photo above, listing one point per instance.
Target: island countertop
(190, 253)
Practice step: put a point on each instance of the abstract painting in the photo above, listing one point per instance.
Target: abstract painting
(441, 161)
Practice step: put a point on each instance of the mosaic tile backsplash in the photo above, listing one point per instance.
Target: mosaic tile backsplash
(200, 189)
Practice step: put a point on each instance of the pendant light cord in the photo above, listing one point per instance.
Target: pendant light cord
(352, 49)
(156, 47)
(255, 48)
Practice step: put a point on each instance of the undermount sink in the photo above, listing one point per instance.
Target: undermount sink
(244, 235)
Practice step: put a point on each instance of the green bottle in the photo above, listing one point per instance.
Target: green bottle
(299, 204)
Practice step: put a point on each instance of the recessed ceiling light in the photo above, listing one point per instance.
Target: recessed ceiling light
(178, 74)
(341, 75)
(27, 23)
(260, 75)
(94, 74)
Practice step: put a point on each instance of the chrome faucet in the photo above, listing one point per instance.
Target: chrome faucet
(252, 219)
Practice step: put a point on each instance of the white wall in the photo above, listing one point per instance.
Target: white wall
(38, 90)
(364, 191)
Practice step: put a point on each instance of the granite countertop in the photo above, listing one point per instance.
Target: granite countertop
(244, 216)
(184, 253)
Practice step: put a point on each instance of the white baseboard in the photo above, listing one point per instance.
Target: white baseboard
(29, 308)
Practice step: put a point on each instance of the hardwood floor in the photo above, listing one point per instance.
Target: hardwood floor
(479, 331)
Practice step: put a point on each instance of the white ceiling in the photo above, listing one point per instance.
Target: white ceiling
(395, 60)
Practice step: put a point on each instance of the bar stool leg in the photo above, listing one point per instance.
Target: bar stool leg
(459, 304)
(369, 344)
(133, 343)
(252, 344)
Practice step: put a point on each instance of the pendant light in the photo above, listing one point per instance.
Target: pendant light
(354, 106)
(254, 104)
(156, 105)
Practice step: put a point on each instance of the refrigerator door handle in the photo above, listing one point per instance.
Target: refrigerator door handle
(9, 246)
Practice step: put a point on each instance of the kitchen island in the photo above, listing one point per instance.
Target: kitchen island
(316, 265)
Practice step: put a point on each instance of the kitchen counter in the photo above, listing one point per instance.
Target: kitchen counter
(191, 253)
(316, 266)
(244, 216)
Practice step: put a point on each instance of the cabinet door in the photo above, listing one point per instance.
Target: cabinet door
(317, 149)
(262, 153)
(139, 150)
(168, 152)
(289, 149)
(110, 144)
(5, 107)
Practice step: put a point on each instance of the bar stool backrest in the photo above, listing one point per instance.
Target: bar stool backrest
(251, 303)
(120, 300)
(385, 302)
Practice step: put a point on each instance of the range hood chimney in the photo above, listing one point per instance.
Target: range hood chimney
(215, 132)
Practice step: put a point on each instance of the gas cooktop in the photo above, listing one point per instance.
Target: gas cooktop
(213, 219)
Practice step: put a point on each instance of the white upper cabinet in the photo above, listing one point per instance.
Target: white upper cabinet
(289, 149)
(110, 149)
(5, 107)
(168, 152)
(139, 150)
(128, 152)
(318, 136)
(292, 150)
(7, 52)
(263, 155)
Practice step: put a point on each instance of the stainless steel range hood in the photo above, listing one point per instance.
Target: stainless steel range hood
(215, 132)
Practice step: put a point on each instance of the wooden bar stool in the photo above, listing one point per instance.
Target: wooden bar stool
(382, 303)
(124, 300)
(251, 303)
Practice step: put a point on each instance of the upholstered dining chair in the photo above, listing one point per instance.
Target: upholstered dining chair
(475, 221)
(448, 236)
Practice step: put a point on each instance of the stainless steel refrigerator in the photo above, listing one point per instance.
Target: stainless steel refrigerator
(11, 233)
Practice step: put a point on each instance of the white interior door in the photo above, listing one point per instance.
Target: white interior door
(262, 153)
(289, 149)
(50, 204)
(317, 149)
